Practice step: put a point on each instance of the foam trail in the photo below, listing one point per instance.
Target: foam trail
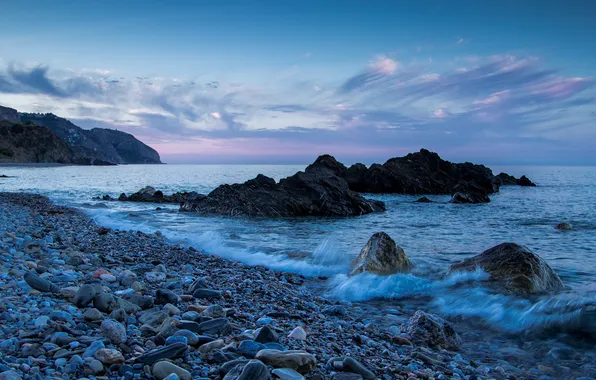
(211, 242)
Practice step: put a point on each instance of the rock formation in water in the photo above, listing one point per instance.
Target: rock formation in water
(563, 226)
(381, 256)
(514, 269)
(505, 179)
(32, 144)
(96, 145)
(422, 172)
(149, 194)
(469, 192)
(318, 191)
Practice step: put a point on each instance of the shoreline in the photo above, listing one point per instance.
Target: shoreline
(81, 252)
(333, 328)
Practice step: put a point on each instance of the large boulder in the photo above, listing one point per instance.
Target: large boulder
(513, 268)
(432, 330)
(381, 256)
(318, 191)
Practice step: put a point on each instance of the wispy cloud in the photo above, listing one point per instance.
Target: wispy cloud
(388, 106)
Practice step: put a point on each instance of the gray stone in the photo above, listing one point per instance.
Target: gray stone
(162, 369)
(381, 256)
(218, 326)
(86, 294)
(433, 331)
(297, 360)
(166, 352)
(39, 283)
(114, 331)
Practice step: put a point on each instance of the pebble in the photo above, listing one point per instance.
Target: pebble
(163, 369)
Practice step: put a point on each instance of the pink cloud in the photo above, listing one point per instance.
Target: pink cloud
(493, 98)
(384, 64)
(563, 87)
(440, 113)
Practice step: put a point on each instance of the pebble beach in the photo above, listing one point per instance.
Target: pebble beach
(83, 301)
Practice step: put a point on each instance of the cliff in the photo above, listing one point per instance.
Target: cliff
(97, 145)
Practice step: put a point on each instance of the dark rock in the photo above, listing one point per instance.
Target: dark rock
(469, 192)
(563, 226)
(164, 296)
(228, 366)
(108, 303)
(40, 284)
(86, 294)
(218, 326)
(254, 370)
(423, 200)
(513, 268)
(317, 191)
(381, 256)
(335, 310)
(170, 351)
(206, 293)
(422, 172)
(249, 348)
(432, 330)
(266, 335)
(525, 181)
(354, 366)
(300, 361)
(144, 302)
(149, 194)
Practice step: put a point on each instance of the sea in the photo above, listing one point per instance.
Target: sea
(499, 328)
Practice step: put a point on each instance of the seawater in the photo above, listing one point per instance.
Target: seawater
(434, 236)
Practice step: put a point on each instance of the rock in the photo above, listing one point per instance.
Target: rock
(118, 315)
(423, 172)
(96, 366)
(228, 366)
(86, 294)
(432, 330)
(423, 200)
(249, 348)
(467, 192)
(155, 277)
(10, 375)
(92, 314)
(149, 194)
(347, 376)
(287, 374)
(163, 369)
(108, 303)
(206, 293)
(297, 360)
(525, 181)
(166, 352)
(254, 370)
(144, 302)
(191, 338)
(335, 310)
(114, 331)
(218, 326)
(563, 226)
(513, 268)
(208, 347)
(266, 335)
(215, 311)
(109, 356)
(318, 191)
(354, 366)
(39, 283)
(164, 296)
(127, 277)
(298, 333)
(153, 318)
(381, 256)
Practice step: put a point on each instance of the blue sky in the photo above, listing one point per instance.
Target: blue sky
(263, 81)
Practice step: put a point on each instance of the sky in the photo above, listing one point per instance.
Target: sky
(495, 82)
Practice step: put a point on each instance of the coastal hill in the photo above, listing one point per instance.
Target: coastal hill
(47, 138)
(97, 144)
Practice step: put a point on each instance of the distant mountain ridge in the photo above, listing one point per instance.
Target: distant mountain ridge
(98, 144)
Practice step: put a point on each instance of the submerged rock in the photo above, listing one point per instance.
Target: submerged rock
(563, 226)
(381, 256)
(513, 268)
(432, 330)
(318, 191)
(467, 192)
(149, 194)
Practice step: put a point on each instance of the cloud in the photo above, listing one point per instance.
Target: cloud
(386, 109)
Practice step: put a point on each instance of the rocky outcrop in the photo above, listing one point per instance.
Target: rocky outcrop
(563, 226)
(505, 179)
(149, 194)
(469, 192)
(513, 268)
(32, 144)
(97, 145)
(10, 115)
(381, 256)
(432, 330)
(318, 191)
(423, 172)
